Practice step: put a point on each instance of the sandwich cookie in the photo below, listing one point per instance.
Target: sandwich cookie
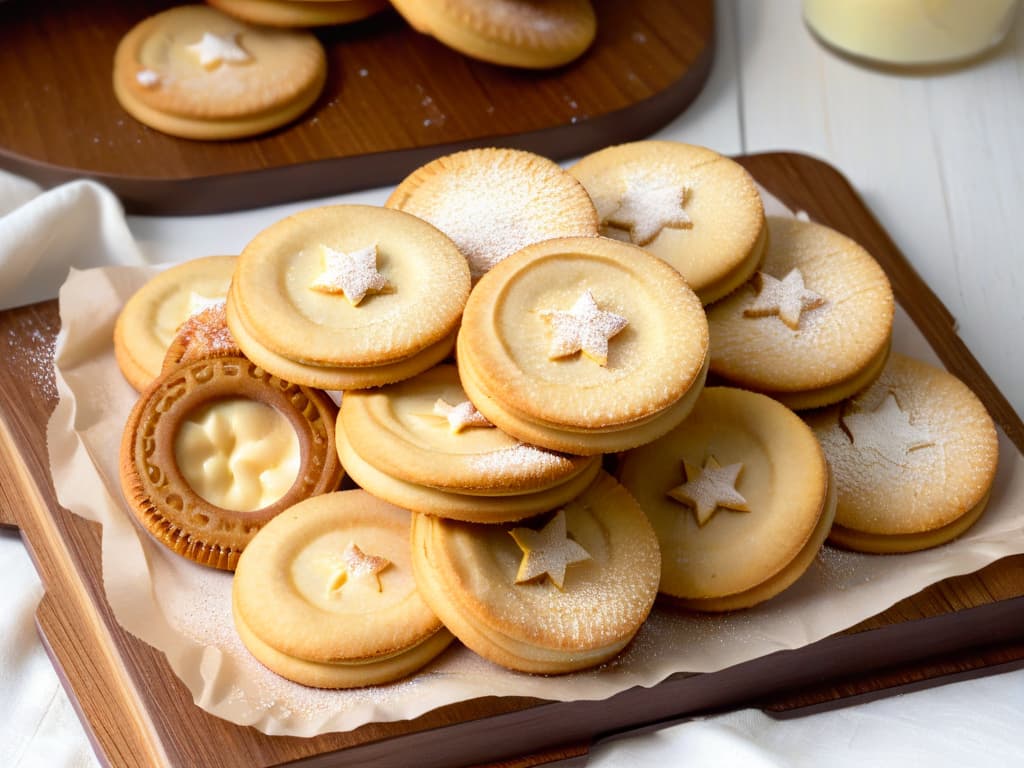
(699, 211)
(422, 445)
(814, 324)
(493, 202)
(348, 297)
(557, 593)
(583, 345)
(194, 72)
(739, 496)
(325, 596)
(215, 448)
(914, 458)
(300, 13)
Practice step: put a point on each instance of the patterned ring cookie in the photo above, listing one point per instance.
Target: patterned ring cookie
(558, 593)
(814, 325)
(300, 13)
(193, 72)
(216, 448)
(516, 33)
(493, 202)
(699, 211)
(152, 316)
(325, 595)
(422, 445)
(740, 497)
(914, 458)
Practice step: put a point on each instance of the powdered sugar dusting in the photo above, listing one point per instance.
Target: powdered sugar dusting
(520, 460)
(887, 430)
(653, 199)
(147, 78)
(585, 328)
(352, 274)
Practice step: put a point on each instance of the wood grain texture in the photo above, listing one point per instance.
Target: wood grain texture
(138, 713)
(394, 99)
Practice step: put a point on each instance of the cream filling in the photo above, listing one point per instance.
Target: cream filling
(238, 454)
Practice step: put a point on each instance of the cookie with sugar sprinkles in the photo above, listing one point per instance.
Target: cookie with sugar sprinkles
(914, 458)
(147, 324)
(422, 445)
(699, 211)
(556, 593)
(740, 497)
(300, 13)
(194, 72)
(814, 324)
(493, 202)
(533, 34)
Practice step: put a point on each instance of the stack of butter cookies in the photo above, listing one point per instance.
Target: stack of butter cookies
(533, 497)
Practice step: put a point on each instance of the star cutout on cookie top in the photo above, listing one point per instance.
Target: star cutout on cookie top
(356, 564)
(214, 50)
(709, 487)
(197, 302)
(460, 416)
(787, 298)
(352, 274)
(887, 430)
(651, 202)
(584, 328)
(549, 550)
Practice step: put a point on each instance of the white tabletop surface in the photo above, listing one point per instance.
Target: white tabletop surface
(940, 161)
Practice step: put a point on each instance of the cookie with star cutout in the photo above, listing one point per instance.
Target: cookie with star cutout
(583, 345)
(556, 593)
(194, 72)
(300, 13)
(814, 324)
(914, 458)
(348, 297)
(740, 497)
(325, 596)
(422, 445)
(152, 316)
(697, 210)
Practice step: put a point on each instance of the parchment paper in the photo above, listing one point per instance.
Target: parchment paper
(183, 609)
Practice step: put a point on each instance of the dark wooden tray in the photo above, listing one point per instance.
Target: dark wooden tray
(138, 713)
(394, 99)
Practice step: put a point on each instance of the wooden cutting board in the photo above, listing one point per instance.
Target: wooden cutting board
(138, 713)
(394, 99)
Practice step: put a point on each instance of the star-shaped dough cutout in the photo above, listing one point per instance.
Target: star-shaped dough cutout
(356, 564)
(352, 274)
(787, 298)
(649, 203)
(460, 416)
(709, 487)
(547, 551)
(584, 328)
(214, 50)
(887, 430)
(197, 302)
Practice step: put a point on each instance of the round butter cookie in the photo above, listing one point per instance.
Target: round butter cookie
(153, 315)
(493, 202)
(300, 13)
(583, 345)
(196, 73)
(739, 496)
(533, 34)
(561, 592)
(215, 448)
(348, 296)
(422, 445)
(814, 324)
(325, 595)
(914, 458)
(694, 208)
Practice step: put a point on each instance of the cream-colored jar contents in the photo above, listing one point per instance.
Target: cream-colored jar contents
(238, 454)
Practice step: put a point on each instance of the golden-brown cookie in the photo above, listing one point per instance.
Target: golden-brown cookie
(697, 210)
(740, 498)
(215, 448)
(204, 335)
(914, 457)
(300, 13)
(814, 325)
(325, 595)
(557, 593)
(194, 72)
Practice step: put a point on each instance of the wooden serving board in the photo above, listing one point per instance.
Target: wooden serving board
(138, 713)
(394, 99)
